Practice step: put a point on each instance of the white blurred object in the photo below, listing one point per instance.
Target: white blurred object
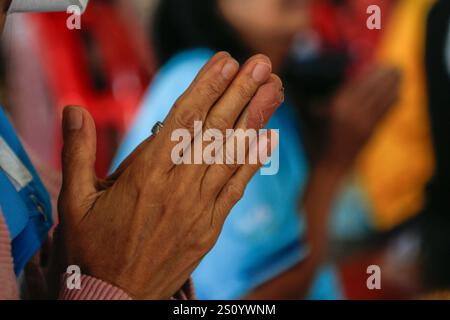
(45, 5)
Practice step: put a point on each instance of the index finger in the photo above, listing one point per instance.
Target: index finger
(194, 105)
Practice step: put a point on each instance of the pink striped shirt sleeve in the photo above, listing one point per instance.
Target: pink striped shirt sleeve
(8, 288)
(91, 289)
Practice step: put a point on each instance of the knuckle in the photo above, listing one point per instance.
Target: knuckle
(232, 166)
(178, 104)
(205, 243)
(244, 92)
(217, 122)
(235, 192)
(69, 151)
(231, 159)
(211, 90)
(260, 56)
(148, 188)
(186, 118)
(228, 169)
(140, 180)
(197, 233)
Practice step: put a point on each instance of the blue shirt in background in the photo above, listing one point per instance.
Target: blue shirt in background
(27, 212)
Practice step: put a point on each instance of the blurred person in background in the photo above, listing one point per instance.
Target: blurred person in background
(392, 171)
(124, 233)
(275, 243)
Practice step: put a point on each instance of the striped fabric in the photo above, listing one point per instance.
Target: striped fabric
(8, 285)
(91, 289)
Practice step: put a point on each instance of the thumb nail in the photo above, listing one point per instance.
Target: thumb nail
(72, 118)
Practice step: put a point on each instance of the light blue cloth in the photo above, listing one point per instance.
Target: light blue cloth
(263, 236)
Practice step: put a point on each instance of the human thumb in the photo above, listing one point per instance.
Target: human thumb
(78, 157)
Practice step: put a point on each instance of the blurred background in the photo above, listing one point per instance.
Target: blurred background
(384, 218)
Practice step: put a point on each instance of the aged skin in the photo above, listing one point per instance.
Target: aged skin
(146, 227)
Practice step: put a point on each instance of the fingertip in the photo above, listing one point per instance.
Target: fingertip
(264, 104)
(275, 78)
(260, 58)
(217, 59)
(259, 67)
(279, 87)
(72, 118)
(221, 55)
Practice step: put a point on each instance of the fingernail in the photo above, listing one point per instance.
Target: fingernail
(73, 118)
(223, 54)
(261, 72)
(229, 69)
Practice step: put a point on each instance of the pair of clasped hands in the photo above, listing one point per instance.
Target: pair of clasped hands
(146, 227)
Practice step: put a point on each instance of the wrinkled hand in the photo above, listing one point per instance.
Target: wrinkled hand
(355, 113)
(147, 227)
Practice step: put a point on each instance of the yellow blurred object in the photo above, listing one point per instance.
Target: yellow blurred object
(399, 161)
(437, 296)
